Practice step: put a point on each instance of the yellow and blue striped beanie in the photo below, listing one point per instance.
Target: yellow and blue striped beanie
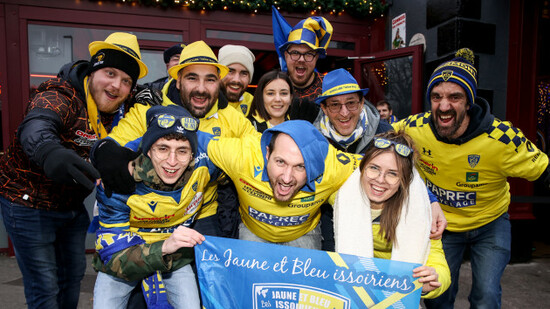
(460, 70)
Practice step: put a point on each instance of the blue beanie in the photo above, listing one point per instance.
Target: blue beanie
(164, 120)
(174, 50)
(459, 70)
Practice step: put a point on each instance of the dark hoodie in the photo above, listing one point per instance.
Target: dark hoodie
(56, 114)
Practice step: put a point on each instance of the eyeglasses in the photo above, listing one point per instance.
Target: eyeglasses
(295, 55)
(336, 107)
(373, 172)
(402, 150)
(163, 153)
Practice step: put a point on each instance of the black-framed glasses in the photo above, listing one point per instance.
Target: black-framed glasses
(336, 107)
(373, 172)
(402, 150)
(295, 55)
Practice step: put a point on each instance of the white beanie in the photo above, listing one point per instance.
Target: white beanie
(230, 54)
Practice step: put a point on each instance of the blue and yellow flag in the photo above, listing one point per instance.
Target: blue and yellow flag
(243, 274)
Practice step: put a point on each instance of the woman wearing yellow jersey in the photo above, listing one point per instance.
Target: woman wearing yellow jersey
(383, 211)
(271, 104)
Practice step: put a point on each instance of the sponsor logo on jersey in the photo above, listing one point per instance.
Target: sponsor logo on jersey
(452, 198)
(277, 220)
(535, 157)
(155, 220)
(472, 176)
(195, 203)
(252, 191)
(195, 186)
(307, 199)
(428, 167)
(473, 160)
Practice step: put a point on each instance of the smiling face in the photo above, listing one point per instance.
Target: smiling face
(199, 85)
(300, 71)
(170, 158)
(449, 110)
(378, 190)
(384, 111)
(277, 100)
(109, 87)
(234, 84)
(285, 168)
(344, 120)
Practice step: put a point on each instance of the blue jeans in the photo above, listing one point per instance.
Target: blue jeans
(489, 254)
(50, 251)
(181, 290)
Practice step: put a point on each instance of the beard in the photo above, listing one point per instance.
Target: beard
(197, 112)
(449, 131)
(231, 96)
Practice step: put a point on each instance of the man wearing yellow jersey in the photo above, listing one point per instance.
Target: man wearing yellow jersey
(466, 154)
(195, 85)
(240, 61)
(282, 179)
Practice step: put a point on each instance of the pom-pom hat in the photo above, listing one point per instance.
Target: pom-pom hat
(460, 70)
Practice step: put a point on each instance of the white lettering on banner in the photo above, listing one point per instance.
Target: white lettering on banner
(277, 220)
(452, 198)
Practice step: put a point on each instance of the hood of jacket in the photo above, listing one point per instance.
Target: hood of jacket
(480, 121)
(312, 144)
(74, 73)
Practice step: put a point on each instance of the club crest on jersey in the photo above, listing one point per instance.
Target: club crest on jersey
(473, 160)
(217, 131)
(244, 108)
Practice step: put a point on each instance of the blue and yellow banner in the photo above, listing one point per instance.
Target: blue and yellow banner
(242, 274)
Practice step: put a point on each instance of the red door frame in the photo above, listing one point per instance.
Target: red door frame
(417, 54)
(521, 107)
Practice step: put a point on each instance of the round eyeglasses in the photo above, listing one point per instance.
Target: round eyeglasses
(163, 153)
(373, 172)
(295, 55)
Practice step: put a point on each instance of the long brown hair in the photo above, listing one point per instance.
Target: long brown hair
(257, 105)
(391, 210)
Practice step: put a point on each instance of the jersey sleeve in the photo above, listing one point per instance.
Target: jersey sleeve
(227, 153)
(520, 157)
(436, 259)
(130, 129)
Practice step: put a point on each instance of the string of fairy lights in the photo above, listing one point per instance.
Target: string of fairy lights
(355, 8)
